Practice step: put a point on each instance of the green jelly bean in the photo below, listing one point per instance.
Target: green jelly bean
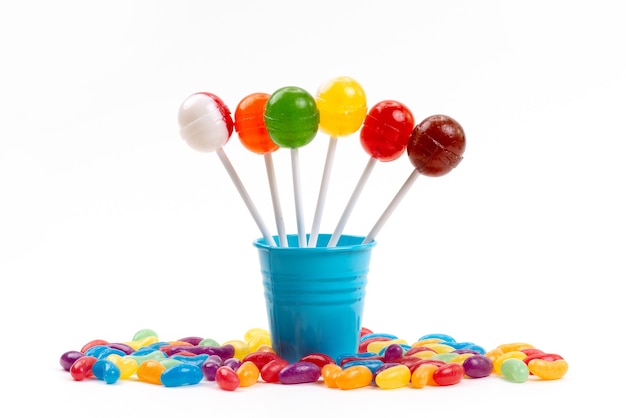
(514, 370)
(153, 355)
(169, 362)
(144, 333)
(445, 357)
(209, 342)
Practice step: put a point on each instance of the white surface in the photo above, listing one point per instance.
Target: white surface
(110, 223)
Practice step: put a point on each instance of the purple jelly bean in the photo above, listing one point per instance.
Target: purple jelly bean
(299, 372)
(225, 351)
(125, 348)
(465, 351)
(68, 358)
(233, 363)
(393, 351)
(210, 366)
(478, 366)
(191, 340)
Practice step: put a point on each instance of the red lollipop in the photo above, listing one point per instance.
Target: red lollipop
(435, 147)
(384, 136)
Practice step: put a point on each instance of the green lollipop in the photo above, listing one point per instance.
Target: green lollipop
(292, 120)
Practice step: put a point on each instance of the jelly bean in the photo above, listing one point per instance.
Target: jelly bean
(371, 335)
(241, 348)
(95, 350)
(414, 365)
(81, 368)
(541, 356)
(462, 351)
(426, 341)
(196, 360)
(299, 372)
(69, 357)
(125, 348)
(362, 348)
(150, 371)
(260, 358)
(478, 366)
(477, 349)
(168, 348)
(531, 351)
(191, 340)
(448, 374)
(354, 377)
(514, 370)
(210, 366)
(440, 348)
(254, 332)
(494, 354)
(548, 370)
(460, 358)
(144, 351)
(329, 374)
(106, 370)
(422, 376)
(370, 364)
(259, 340)
(424, 354)
(92, 344)
(227, 379)
(266, 348)
(318, 359)
(343, 358)
(516, 346)
(208, 342)
(441, 337)
(137, 344)
(103, 354)
(153, 355)
(225, 351)
(497, 364)
(127, 365)
(248, 374)
(394, 377)
(233, 363)
(445, 357)
(377, 346)
(144, 333)
(169, 362)
(418, 349)
(392, 351)
(181, 375)
(271, 370)
(365, 331)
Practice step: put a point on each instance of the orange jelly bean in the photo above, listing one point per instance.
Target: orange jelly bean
(354, 377)
(150, 371)
(548, 370)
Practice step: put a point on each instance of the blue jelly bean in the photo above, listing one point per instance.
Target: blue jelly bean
(364, 355)
(181, 375)
(96, 350)
(106, 370)
(195, 360)
(373, 365)
(378, 335)
(145, 350)
(444, 337)
(103, 354)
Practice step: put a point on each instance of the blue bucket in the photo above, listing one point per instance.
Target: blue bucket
(315, 296)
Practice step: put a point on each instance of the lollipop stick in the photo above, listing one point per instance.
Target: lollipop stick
(355, 195)
(244, 195)
(297, 193)
(317, 219)
(392, 206)
(278, 214)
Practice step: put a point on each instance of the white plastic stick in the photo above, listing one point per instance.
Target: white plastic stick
(392, 206)
(278, 214)
(350, 206)
(321, 199)
(297, 193)
(246, 198)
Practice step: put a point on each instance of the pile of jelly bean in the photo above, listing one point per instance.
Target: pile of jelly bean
(382, 360)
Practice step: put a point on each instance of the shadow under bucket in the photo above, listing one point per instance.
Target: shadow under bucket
(315, 296)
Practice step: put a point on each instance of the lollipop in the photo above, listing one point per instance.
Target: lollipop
(342, 105)
(436, 147)
(206, 125)
(250, 127)
(384, 136)
(292, 120)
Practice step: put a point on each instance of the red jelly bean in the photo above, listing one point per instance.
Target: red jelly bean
(365, 331)
(93, 343)
(448, 374)
(81, 368)
(226, 378)
(318, 359)
(270, 371)
(260, 358)
(542, 356)
(413, 365)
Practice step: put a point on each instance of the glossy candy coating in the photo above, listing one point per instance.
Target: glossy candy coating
(448, 374)
(386, 130)
(342, 106)
(422, 376)
(394, 377)
(69, 357)
(182, 374)
(329, 374)
(548, 370)
(227, 379)
(248, 374)
(514, 370)
(260, 358)
(319, 359)
(81, 368)
(150, 371)
(106, 370)
(205, 122)
(436, 145)
(354, 377)
(478, 366)
(271, 370)
(210, 366)
(127, 365)
(250, 124)
(299, 372)
(291, 117)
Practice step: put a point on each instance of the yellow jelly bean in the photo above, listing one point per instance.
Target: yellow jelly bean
(424, 354)
(137, 344)
(248, 374)
(423, 342)
(330, 372)
(265, 347)
(423, 376)
(241, 348)
(394, 377)
(258, 340)
(127, 365)
(440, 348)
(376, 346)
(516, 346)
(494, 354)
(548, 370)
(354, 377)
(497, 364)
(253, 332)
(150, 371)
(461, 358)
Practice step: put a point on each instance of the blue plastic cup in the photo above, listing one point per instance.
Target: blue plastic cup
(315, 296)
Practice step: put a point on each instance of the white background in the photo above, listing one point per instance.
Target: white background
(110, 223)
